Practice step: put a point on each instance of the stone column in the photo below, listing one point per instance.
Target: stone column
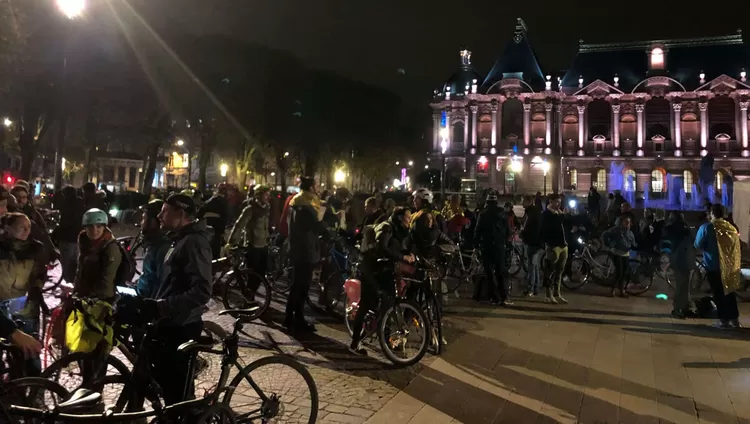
(639, 108)
(616, 128)
(494, 125)
(558, 109)
(548, 123)
(581, 126)
(743, 122)
(474, 110)
(677, 107)
(436, 132)
(449, 128)
(127, 177)
(526, 124)
(704, 124)
(467, 142)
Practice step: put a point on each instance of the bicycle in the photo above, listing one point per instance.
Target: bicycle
(342, 262)
(279, 265)
(584, 266)
(420, 289)
(699, 282)
(235, 283)
(391, 305)
(140, 385)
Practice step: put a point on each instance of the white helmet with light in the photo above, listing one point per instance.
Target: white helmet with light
(424, 194)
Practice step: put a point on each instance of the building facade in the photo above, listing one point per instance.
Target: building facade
(624, 116)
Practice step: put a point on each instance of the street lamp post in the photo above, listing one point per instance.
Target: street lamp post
(443, 149)
(545, 168)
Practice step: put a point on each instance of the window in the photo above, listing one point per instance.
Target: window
(657, 181)
(573, 178)
(687, 181)
(601, 180)
(719, 180)
(483, 165)
(722, 140)
(657, 58)
(629, 180)
(599, 143)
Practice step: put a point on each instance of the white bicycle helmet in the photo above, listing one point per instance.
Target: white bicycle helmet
(424, 194)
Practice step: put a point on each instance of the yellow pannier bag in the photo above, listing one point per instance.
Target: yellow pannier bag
(89, 323)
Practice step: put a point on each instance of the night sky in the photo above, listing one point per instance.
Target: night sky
(371, 40)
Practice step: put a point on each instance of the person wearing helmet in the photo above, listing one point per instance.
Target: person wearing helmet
(98, 258)
(215, 211)
(251, 231)
(423, 200)
(490, 236)
(156, 244)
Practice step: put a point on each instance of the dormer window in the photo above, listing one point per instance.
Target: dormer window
(658, 143)
(656, 59)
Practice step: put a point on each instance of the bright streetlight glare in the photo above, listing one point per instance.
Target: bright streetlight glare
(224, 168)
(7, 122)
(545, 167)
(180, 142)
(411, 163)
(516, 166)
(397, 163)
(286, 154)
(339, 176)
(71, 8)
(426, 166)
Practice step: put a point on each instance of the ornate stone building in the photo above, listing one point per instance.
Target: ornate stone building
(624, 116)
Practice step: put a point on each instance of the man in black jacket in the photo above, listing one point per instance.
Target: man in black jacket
(556, 249)
(215, 213)
(184, 292)
(490, 236)
(532, 240)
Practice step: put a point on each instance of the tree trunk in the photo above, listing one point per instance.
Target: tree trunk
(150, 169)
(28, 140)
(203, 159)
(281, 175)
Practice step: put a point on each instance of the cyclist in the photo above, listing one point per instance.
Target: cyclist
(183, 294)
(491, 235)
(390, 241)
(251, 230)
(621, 241)
(98, 259)
(156, 244)
(423, 199)
(215, 212)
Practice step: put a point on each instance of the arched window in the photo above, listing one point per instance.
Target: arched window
(601, 180)
(687, 181)
(657, 181)
(574, 178)
(629, 180)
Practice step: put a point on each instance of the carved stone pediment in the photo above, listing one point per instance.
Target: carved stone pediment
(599, 89)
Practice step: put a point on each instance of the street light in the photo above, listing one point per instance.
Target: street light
(411, 163)
(444, 148)
(397, 163)
(7, 122)
(224, 168)
(180, 142)
(339, 176)
(71, 8)
(545, 168)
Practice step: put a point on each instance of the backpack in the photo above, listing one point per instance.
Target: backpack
(369, 235)
(126, 270)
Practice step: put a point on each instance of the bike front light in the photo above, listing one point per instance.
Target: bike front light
(580, 240)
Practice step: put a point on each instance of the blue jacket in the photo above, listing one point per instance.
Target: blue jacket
(706, 240)
(619, 240)
(153, 263)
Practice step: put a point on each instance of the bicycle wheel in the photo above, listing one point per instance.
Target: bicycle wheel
(218, 413)
(279, 269)
(432, 310)
(394, 335)
(579, 274)
(515, 262)
(33, 392)
(239, 293)
(66, 372)
(324, 296)
(602, 268)
(641, 277)
(259, 394)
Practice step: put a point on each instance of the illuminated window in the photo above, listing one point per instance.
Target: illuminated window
(483, 165)
(719, 180)
(574, 178)
(687, 178)
(629, 180)
(657, 58)
(657, 181)
(601, 179)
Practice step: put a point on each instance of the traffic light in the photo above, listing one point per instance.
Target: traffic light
(8, 179)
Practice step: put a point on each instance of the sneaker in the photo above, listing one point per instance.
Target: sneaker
(562, 300)
(550, 299)
(506, 302)
(528, 294)
(358, 350)
(720, 324)
(735, 323)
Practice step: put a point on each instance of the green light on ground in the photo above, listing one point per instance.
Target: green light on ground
(662, 296)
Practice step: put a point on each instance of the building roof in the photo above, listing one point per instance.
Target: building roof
(517, 61)
(466, 76)
(685, 59)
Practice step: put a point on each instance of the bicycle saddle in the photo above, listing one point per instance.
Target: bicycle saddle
(80, 398)
(200, 343)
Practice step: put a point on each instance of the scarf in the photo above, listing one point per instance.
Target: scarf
(728, 241)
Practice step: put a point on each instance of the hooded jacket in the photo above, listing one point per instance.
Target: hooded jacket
(553, 228)
(251, 228)
(532, 230)
(98, 261)
(186, 276)
(156, 246)
(492, 230)
(305, 228)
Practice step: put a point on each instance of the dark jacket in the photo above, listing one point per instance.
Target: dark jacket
(214, 213)
(620, 240)
(423, 238)
(7, 326)
(71, 215)
(677, 242)
(492, 230)
(391, 240)
(304, 228)
(532, 230)
(29, 210)
(553, 228)
(91, 201)
(97, 267)
(153, 265)
(251, 228)
(186, 277)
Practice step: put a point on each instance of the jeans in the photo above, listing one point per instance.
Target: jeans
(533, 257)
(726, 303)
(622, 271)
(68, 260)
(295, 305)
(495, 268)
(557, 257)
